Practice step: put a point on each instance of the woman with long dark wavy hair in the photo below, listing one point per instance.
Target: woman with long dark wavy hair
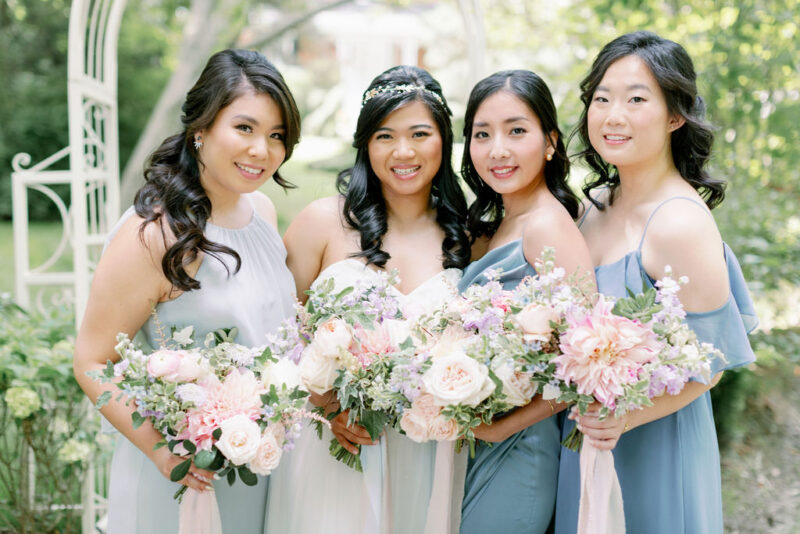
(645, 138)
(199, 247)
(516, 164)
(400, 207)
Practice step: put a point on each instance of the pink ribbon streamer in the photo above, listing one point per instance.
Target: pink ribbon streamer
(198, 513)
(444, 507)
(601, 510)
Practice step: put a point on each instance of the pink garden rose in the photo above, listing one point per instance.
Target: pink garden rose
(164, 362)
(424, 421)
(332, 336)
(602, 352)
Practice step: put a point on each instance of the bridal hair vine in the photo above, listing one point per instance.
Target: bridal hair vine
(405, 88)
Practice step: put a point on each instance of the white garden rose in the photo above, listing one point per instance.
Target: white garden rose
(534, 319)
(398, 329)
(332, 336)
(452, 340)
(317, 371)
(240, 439)
(190, 368)
(269, 451)
(283, 372)
(457, 379)
(517, 386)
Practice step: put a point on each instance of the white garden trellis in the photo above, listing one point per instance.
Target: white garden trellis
(92, 176)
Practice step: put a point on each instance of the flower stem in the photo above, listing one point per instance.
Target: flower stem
(345, 456)
(574, 440)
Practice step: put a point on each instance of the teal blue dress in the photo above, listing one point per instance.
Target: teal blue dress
(510, 486)
(669, 469)
(255, 300)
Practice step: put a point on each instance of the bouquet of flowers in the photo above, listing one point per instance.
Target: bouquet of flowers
(354, 338)
(623, 353)
(486, 351)
(222, 406)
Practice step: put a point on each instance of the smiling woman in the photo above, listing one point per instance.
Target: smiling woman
(199, 248)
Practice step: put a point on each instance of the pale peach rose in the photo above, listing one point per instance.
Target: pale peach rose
(443, 429)
(534, 319)
(451, 340)
(332, 336)
(240, 439)
(317, 371)
(458, 379)
(269, 451)
(517, 386)
(416, 420)
(164, 362)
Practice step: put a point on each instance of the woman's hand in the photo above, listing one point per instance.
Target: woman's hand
(349, 435)
(602, 435)
(197, 479)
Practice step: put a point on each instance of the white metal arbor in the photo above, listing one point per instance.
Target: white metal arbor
(92, 176)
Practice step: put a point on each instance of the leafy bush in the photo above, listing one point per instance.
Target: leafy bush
(48, 431)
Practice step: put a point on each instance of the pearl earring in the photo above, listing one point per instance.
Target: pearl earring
(197, 143)
(549, 157)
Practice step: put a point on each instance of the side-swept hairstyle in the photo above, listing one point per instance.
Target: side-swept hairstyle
(172, 192)
(674, 71)
(486, 212)
(364, 206)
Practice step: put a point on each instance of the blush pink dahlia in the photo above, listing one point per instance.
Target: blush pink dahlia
(602, 352)
(239, 394)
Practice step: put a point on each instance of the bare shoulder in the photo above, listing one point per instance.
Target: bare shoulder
(683, 235)
(320, 216)
(552, 226)
(264, 207)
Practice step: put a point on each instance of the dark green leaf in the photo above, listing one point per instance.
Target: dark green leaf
(180, 470)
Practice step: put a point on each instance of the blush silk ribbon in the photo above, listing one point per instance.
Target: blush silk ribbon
(601, 510)
(450, 471)
(198, 513)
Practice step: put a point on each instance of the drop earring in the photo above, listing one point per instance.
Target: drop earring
(198, 143)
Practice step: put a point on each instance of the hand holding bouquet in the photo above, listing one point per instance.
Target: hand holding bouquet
(224, 407)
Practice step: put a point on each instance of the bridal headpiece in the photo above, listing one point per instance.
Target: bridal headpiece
(404, 88)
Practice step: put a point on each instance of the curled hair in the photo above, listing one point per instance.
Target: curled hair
(364, 206)
(674, 71)
(486, 212)
(172, 192)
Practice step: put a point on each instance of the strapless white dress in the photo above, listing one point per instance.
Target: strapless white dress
(411, 488)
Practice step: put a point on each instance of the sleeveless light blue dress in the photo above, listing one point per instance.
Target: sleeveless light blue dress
(669, 469)
(255, 300)
(511, 485)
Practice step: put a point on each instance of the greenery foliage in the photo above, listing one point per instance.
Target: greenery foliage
(48, 434)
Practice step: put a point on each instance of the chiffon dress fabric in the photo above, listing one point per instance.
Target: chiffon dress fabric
(313, 493)
(254, 300)
(669, 469)
(510, 486)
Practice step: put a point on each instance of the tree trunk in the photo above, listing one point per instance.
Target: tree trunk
(198, 41)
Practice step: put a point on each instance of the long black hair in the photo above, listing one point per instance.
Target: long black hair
(674, 71)
(172, 192)
(364, 206)
(486, 212)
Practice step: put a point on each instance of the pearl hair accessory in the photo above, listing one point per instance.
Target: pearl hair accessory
(405, 88)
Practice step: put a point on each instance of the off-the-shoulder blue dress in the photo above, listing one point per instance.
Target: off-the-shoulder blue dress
(511, 485)
(669, 469)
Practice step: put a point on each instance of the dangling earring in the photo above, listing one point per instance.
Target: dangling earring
(198, 143)
(549, 157)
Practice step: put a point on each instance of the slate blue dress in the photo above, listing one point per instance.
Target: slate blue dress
(669, 469)
(255, 300)
(511, 485)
